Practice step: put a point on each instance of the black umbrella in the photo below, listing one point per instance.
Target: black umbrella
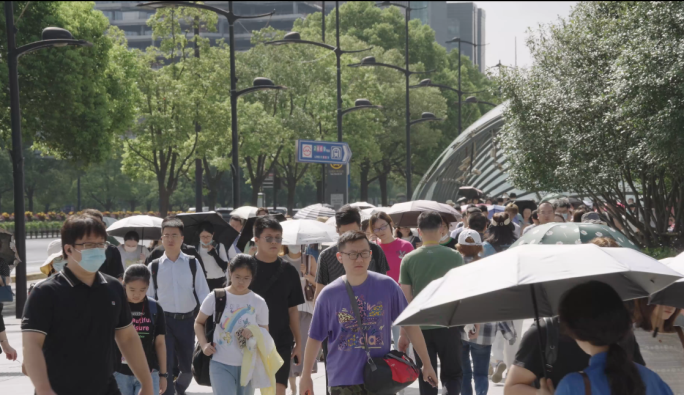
(193, 221)
(470, 192)
(248, 230)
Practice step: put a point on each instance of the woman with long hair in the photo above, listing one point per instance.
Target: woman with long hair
(596, 318)
(664, 353)
(501, 232)
(405, 233)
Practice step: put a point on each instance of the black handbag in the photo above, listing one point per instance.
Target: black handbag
(387, 375)
(200, 362)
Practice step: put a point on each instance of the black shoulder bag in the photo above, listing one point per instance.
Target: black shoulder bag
(387, 375)
(200, 362)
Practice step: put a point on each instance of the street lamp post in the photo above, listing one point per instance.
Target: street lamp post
(198, 128)
(51, 37)
(259, 83)
(460, 93)
(475, 100)
(295, 38)
(369, 61)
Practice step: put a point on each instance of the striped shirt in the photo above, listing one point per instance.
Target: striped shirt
(487, 333)
(330, 269)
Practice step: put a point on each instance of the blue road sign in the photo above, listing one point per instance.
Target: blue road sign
(332, 152)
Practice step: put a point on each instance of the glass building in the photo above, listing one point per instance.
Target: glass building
(472, 159)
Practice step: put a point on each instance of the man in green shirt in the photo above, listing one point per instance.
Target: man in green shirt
(418, 269)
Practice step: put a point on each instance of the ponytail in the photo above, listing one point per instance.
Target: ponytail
(623, 376)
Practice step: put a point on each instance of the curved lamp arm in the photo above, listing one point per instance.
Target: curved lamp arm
(356, 108)
(50, 43)
(391, 66)
(260, 88)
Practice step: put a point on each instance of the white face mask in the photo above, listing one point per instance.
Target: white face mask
(443, 239)
(129, 249)
(295, 249)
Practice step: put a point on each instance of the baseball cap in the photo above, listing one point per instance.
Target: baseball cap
(465, 233)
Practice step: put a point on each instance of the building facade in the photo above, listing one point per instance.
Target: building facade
(133, 20)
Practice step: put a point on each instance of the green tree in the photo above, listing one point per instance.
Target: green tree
(74, 100)
(603, 99)
(172, 94)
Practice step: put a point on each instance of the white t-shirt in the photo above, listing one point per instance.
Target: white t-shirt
(241, 311)
(129, 258)
(210, 265)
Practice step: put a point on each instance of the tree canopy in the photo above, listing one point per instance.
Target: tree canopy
(604, 99)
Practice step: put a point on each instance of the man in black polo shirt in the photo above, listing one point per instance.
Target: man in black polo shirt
(71, 319)
(329, 268)
(278, 283)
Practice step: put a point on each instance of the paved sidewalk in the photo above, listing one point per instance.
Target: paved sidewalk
(13, 382)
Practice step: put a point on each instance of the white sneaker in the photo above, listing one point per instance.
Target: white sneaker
(497, 376)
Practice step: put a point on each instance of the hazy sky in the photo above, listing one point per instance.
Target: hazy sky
(507, 20)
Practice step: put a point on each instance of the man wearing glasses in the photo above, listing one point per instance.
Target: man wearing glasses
(278, 283)
(179, 285)
(71, 320)
(380, 301)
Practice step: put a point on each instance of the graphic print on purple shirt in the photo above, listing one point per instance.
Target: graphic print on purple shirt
(380, 302)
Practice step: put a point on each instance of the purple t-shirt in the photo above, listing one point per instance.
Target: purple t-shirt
(380, 302)
(394, 252)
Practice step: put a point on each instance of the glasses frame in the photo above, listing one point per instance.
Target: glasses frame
(358, 254)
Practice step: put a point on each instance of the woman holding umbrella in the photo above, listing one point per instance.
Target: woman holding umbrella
(131, 250)
(213, 255)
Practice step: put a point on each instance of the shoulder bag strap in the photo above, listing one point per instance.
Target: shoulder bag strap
(220, 304)
(359, 323)
(154, 268)
(193, 270)
(678, 329)
(275, 276)
(587, 383)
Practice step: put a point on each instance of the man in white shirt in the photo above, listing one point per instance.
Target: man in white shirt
(173, 287)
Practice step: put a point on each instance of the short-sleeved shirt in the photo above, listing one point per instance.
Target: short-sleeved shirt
(280, 295)
(573, 383)
(130, 258)
(148, 328)
(570, 357)
(79, 323)
(241, 311)
(425, 264)
(330, 269)
(394, 253)
(380, 302)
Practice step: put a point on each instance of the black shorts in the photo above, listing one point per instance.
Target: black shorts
(283, 373)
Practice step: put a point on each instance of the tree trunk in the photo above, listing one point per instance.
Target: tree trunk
(133, 203)
(149, 206)
(47, 208)
(256, 187)
(29, 195)
(382, 179)
(164, 201)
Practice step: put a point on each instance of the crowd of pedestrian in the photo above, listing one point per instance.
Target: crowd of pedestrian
(265, 317)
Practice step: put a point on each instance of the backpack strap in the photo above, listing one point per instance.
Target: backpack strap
(551, 332)
(152, 307)
(220, 305)
(193, 270)
(587, 383)
(154, 268)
